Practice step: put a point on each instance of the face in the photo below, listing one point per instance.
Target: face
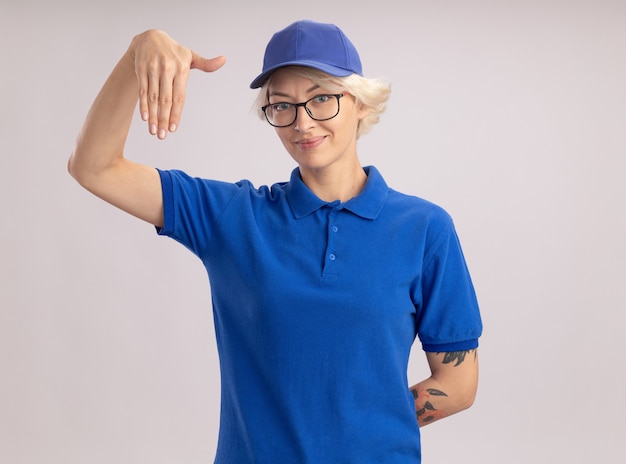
(316, 145)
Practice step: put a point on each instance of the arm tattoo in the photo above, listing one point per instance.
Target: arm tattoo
(458, 356)
(430, 391)
(427, 412)
(421, 413)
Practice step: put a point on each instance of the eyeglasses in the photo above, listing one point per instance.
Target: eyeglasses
(320, 108)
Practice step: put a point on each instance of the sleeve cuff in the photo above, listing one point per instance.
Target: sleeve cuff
(449, 347)
(168, 203)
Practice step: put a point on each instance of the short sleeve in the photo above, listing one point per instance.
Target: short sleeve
(192, 208)
(448, 318)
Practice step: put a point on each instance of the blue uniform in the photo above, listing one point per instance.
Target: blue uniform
(316, 307)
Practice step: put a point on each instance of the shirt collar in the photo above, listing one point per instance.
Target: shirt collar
(366, 204)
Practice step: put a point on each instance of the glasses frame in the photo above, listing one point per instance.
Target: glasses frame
(303, 104)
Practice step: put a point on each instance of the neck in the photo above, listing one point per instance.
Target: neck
(335, 184)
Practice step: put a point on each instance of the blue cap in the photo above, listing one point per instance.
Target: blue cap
(312, 44)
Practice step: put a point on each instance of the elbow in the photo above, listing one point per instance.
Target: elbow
(467, 397)
(71, 166)
(467, 402)
(74, 170)
(75, 167)
(82, 170)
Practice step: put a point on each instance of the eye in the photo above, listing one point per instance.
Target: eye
(278, 107)
(321, 99)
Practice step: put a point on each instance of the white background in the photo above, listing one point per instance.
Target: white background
(509, 114)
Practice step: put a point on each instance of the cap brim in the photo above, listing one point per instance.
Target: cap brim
(328, 69)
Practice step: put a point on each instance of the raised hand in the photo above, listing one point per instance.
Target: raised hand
(162, 67)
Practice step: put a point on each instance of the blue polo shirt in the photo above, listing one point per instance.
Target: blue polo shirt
(316, 306)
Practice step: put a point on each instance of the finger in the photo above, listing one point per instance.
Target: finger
(206, 64)
(153, 102)
(165, 105)
(178, 101)
(142, 81)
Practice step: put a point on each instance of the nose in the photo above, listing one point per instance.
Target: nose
(303, 120)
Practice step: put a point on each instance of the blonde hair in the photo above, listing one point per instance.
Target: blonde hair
(371, 93)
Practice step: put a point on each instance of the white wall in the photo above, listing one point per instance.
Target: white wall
(510, 114)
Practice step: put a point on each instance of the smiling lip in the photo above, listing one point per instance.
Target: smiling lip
(310, 143)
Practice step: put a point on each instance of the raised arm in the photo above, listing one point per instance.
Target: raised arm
(450, 388)
(153, 70)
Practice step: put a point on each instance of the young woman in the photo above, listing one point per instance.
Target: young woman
(321, 284)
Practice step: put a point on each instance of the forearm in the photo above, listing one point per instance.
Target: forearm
(100, 143)
(450, 389)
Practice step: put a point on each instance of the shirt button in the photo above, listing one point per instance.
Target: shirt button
(335, 229)
(332, 257)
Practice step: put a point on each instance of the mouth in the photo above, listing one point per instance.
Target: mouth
(310, 142)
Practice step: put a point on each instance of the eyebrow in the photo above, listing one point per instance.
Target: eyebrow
(280, 94)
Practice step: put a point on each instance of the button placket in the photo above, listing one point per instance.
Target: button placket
(333, 230)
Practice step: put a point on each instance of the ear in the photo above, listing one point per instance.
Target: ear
(363, 110)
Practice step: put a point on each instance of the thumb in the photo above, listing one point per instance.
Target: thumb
(206, 64)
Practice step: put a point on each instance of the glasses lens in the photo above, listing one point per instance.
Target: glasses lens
(323, 107)
(280, 114)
